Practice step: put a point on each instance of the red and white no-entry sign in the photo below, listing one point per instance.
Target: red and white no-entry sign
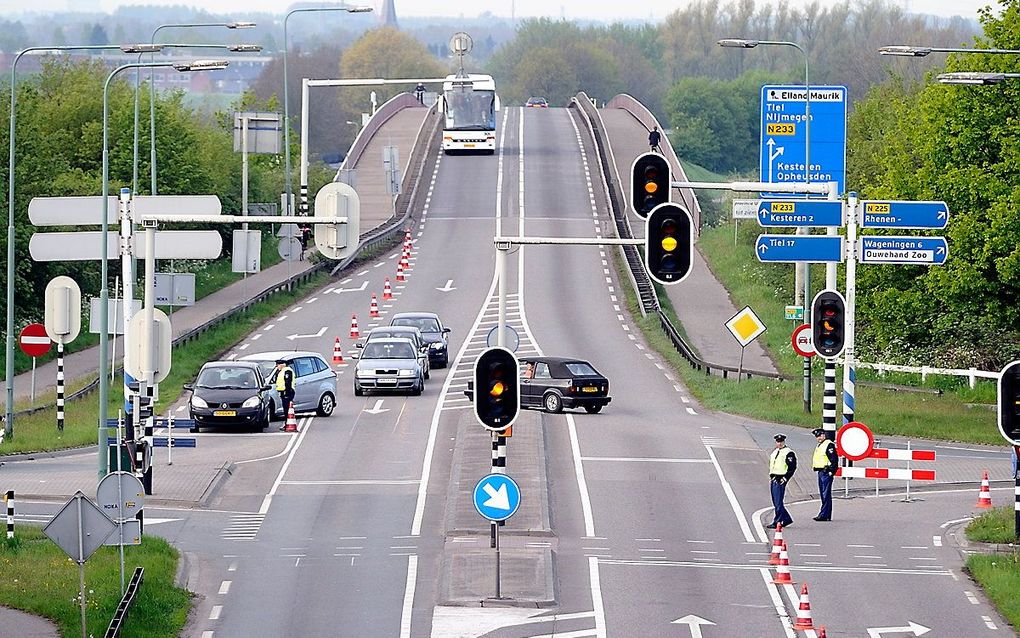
(855, 441)
(801, 341)
(34, 341)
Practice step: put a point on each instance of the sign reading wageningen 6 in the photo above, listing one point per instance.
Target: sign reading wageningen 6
(784, 134)
(803, 213)
(905, 215)
(904, 250)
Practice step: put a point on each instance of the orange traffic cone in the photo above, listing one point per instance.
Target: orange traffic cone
(338, 355)
(405, 261)
(985, 495)
(777, 545)
(821, 632)
(291, 425)
(387, 291)
(783, 576)
(804, 611)
(355, 334)
(400, 271)
(373, 310)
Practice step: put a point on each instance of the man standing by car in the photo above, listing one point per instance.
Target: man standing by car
(285, 386)
(825, 461)
(782, 465)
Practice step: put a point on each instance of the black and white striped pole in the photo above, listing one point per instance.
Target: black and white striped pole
(63, 323)
(9, 497)
(60, 386)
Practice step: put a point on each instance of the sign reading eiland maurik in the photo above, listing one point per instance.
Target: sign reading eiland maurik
(784, 134)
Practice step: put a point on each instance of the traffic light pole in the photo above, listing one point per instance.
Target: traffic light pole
(849, 372)
(829, 379)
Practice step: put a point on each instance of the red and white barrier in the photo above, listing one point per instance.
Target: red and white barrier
(886, 473)
(902, 455)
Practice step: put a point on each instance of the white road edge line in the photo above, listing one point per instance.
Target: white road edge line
(408, 608)
(741, 518)
(304, 426)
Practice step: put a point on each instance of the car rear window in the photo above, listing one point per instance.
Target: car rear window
(425, 324)
(580, 369)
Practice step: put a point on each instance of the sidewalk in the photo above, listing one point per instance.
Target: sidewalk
(24, 625)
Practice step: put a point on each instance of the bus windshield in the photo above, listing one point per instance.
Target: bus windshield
(470, 110)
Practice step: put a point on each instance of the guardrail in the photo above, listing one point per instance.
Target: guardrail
(117, 623)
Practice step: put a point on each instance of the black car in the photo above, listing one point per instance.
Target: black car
(230, 393)
(554, 383)
(432, 332)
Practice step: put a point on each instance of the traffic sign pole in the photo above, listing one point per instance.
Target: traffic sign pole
(849, 373)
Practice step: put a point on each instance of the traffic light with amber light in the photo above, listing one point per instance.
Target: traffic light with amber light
(669, 243)
(1009, 403)
(650, 183)
(828, 323)
(497, 389)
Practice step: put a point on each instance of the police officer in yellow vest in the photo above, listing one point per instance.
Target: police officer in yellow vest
(285, 386)
(825, 461)
(782, 465)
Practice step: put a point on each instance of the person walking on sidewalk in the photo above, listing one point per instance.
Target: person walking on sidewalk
(782, 465)
(825, 462)
(654, 137)
(285, 386)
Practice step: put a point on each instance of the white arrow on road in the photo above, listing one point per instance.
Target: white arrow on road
(364, 285)
(448, 287)
(912, 628)
(317, 334)
(694, 623)
(498, 499)
(378, 409)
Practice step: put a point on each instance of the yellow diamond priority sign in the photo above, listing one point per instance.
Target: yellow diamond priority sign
(745, 326)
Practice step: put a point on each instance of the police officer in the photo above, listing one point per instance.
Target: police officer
(782, 465)
(825, 462)
(285, 386)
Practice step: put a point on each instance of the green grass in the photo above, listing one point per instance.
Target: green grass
(999, 576)
(997, 525)
(38, 431)
(696, 173)
(40, 579)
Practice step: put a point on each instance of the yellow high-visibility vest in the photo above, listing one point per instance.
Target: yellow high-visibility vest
(777, 462)
(281, 382)
(820, 461)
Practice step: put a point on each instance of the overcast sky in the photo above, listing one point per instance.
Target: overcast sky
(570, 9)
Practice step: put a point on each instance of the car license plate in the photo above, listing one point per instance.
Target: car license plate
(589, 388)
(225, 413)
(387, 382)
(469, 145)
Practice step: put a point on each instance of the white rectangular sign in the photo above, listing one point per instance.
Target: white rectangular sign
(115, 314)
(88, 245)
(174, 289)
(745, 208)
(88, 210)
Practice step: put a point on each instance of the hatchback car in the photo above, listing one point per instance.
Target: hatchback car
(314, 381)
(554, 383)
(537, 103)
(403, 332)
(230, 393)
(432, 331)
(389, 364)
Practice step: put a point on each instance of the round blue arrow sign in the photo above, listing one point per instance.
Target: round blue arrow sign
(497, 497)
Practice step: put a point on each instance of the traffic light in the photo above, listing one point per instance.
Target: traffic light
(497, 389)
(828, 321)
(650, 183)
(669, 243)
(1009, 403)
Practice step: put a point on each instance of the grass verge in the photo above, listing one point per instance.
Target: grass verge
(38, 432)
(997, 525)
(40, 579)
(999, 576)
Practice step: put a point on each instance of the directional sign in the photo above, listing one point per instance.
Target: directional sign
(903, 250)
(905, 215)
(794, 248)
(800, 213)
(34, 341)
(88, 210)
(784, 134)
(88, 245)
(497, 497)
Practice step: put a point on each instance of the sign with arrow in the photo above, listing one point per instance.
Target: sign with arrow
(903, 250)
(784, 134)
(497, 497)
(905, 215)
(321, 331)
(693, 623)
(793, 213)
(911, 628)
(377, 409)
(448, 287)
(794, 248)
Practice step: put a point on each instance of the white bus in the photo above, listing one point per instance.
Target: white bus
(470, 104)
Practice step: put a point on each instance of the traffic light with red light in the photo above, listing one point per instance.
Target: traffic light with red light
(828, 323)
(1009, 403)
(497, 389)
(669, 243)
(650, 183)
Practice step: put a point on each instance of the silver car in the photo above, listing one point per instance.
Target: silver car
(389, 364)
(314, 381)
(403, 332)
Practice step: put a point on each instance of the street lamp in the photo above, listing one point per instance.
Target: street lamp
(286, 106)
(974, 77)
(104, 295)
(907, 51)
(152, 93)
(9, 372)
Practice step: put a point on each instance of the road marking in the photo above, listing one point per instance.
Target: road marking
(244, 346)
(256, 337)
(734, 504)
(988, 622)
(215, 613)
(691, 412)
(207, 634)
(314, 299)
(305, 426)
(641, 460)
(355, 482)
(224, 588)
(862, 546)
(269, 327)
(777, 602)
(937, 541)
(596, 597)
(971, 597)
(296, 309)
(363, 272)
(405, 614)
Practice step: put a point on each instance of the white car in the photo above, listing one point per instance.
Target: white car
(389, 364)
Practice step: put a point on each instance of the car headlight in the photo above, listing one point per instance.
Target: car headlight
(198, 402)
(252, 402)
(437, 345)
(364, 373)
(405, 373)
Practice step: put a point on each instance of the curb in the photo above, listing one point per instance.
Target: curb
(35, 456)
(183, 573)
(226, 471)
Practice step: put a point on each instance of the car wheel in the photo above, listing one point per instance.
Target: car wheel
(446, 360)
(326, 405)
(428, 372)
(553, 403)
(418, 388)
(272, 411)
(593, 409)
(262, 423)
(358, 392)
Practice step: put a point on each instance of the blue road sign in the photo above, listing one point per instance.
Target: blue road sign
(904, 250)
(805, 213)
(497, 497)
(784, 134)
(905, 215)
(795, 248)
